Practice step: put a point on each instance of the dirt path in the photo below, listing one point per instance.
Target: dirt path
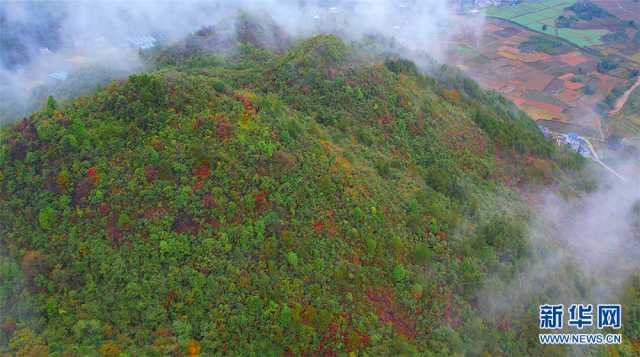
(623, 99)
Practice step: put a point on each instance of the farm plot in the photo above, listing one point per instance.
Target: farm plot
(545, 8)
(541, 16)
(551, 81)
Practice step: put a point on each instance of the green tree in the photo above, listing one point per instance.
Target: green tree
(47, 218)
(50, 106)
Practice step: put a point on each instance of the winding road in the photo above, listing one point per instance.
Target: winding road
(596, 158)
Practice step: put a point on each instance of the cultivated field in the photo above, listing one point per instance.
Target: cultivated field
(553, 82)
(541, 16)
(564, 83)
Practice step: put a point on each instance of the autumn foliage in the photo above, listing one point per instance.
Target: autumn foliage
(313, 201)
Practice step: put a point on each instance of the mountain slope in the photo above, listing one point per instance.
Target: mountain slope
(311, 202)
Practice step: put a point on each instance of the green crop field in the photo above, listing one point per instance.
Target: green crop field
(536, 15)
(550, 8)
(583, 38)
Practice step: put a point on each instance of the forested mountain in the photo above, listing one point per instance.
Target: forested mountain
(310, 199)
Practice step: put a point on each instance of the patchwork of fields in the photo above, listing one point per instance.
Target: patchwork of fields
(560, 89)
(564, 86)
(541, 16)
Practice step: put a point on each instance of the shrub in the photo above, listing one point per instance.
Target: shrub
(292, 259)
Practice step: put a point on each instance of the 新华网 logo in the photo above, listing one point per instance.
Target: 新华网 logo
(552, 317)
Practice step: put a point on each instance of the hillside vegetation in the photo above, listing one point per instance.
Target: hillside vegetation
(316, 200)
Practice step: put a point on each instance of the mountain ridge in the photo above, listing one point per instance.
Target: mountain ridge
(332, 202)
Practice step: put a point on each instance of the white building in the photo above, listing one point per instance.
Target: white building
(142, 42)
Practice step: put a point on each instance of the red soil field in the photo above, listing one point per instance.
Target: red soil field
(556, 109)
(573, 85)
(569, 96)
(573, 58)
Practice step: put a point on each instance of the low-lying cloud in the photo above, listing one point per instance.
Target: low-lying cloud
(43, 41)
(583, 249)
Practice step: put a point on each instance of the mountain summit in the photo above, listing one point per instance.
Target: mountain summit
(309, 201)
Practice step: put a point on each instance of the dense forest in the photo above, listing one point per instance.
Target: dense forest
(312, 198)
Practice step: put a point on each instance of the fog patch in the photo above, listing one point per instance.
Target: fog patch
(582, 248)
(42, 40)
